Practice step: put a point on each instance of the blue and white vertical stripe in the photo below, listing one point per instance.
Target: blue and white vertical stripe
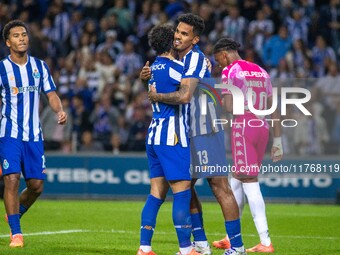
(172, 130)
(170, 123)
(203, 124)
(195, 66)
(20, 87)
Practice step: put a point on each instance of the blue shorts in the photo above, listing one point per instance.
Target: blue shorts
(19, 156)
(208, 155)
(171, 162)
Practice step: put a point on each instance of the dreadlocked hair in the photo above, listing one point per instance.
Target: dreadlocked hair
(226, 43)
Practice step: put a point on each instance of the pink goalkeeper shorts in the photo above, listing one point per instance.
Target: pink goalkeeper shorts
(249, 142)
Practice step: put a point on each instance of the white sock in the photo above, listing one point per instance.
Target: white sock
(258, 210)
(145, 248)
(237, 189)
(202, 244)
(239, 249)
(186, 250)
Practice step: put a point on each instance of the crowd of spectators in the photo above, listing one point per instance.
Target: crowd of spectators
(96, 48)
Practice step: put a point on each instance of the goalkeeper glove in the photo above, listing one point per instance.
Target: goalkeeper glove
(277, 142)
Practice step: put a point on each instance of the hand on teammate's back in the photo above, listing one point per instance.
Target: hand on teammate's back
(145, 74)
(152, 93)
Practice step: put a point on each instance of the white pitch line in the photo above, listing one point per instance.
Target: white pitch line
(159, 233)
(247, 213)
(52, 232)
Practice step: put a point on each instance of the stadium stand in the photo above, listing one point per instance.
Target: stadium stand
(95, 49)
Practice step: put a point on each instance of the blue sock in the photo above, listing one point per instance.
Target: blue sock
(22, 210)
(233, 229)
(148, 222)
(181, 217)
(197, 227)
(14, 223)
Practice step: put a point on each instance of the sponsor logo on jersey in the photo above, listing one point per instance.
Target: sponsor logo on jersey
(16, 90)
(253, 74)
(158, 67)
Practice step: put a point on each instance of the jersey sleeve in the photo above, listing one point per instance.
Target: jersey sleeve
(48, 83)
(175, 71)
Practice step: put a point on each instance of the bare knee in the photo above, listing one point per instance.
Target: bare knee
(35, 186)
(159, 187)
(220, 188)
(12, 181)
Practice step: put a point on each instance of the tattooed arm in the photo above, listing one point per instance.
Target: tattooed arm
(181, 96)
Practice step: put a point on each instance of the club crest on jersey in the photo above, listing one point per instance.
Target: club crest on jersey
(5, 165)
(36, 74)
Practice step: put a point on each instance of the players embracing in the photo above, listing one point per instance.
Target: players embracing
(205, 138)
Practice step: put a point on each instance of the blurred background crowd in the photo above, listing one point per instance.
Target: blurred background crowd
(96, 49)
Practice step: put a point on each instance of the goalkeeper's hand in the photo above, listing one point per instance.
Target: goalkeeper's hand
(277, 151)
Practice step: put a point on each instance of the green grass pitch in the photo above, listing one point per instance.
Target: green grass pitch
(112, 227)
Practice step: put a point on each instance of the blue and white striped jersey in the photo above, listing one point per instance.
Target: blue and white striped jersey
(170, 123)
(195, 66)
(20, 88)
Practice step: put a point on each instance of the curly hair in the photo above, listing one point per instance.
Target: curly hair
(226, 43)
(10, 25)
(161, 38)
(193, 20)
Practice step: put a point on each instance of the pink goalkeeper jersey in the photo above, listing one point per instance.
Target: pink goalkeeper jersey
(248, 143)
(246, 75)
